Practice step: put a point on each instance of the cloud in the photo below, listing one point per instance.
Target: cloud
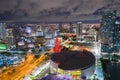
(52, 7)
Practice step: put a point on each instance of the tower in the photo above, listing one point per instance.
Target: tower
(107, 31)
(117, 34)
(10, 37)
(57, 46)
(79, 31)
(2, 31)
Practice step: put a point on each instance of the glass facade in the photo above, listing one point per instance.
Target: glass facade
(109, 32)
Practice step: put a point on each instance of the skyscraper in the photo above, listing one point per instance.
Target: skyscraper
(117, 34)
(2, 31)
(108, 32)
(79, 31)
(10, 37)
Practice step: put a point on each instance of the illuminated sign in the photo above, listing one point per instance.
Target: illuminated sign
(75, 73)
(21, 43)
(28, 30)
(3, 46)
(117, 22)
(31, 45)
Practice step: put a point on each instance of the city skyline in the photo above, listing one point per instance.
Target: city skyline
(74, 39)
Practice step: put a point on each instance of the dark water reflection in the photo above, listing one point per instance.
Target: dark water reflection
(111, 69)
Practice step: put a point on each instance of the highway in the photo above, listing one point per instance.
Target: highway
(23, 69)
(40, 71)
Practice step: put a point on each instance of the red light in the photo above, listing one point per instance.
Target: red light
(56, 47)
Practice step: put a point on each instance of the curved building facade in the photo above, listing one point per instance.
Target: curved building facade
(73, 63)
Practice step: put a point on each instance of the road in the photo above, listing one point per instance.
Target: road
(23, 69)
(40, 71)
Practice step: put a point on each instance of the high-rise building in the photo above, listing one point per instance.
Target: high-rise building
(108, 32)
(71, 28)
(9, 36)
(2, 31)
(117, 34)
(16, 32)
(79, 31)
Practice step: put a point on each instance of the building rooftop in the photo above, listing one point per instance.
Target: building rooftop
(72, 60)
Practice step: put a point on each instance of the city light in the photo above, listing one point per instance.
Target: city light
(65, 46)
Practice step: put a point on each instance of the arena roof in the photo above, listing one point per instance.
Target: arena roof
(72, 60)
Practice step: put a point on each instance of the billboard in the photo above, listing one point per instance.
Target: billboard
(3, 46)
(22, 43)
(117, 22)
(39, 33)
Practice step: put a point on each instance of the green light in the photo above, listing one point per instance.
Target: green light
(32, 77)
(3, 46)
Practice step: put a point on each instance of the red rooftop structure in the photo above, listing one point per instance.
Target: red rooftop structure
(57, 46)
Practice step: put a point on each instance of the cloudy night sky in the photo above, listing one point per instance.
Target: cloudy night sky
(56, 7)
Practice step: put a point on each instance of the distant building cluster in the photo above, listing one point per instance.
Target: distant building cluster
(42, 34)
(6, 59)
